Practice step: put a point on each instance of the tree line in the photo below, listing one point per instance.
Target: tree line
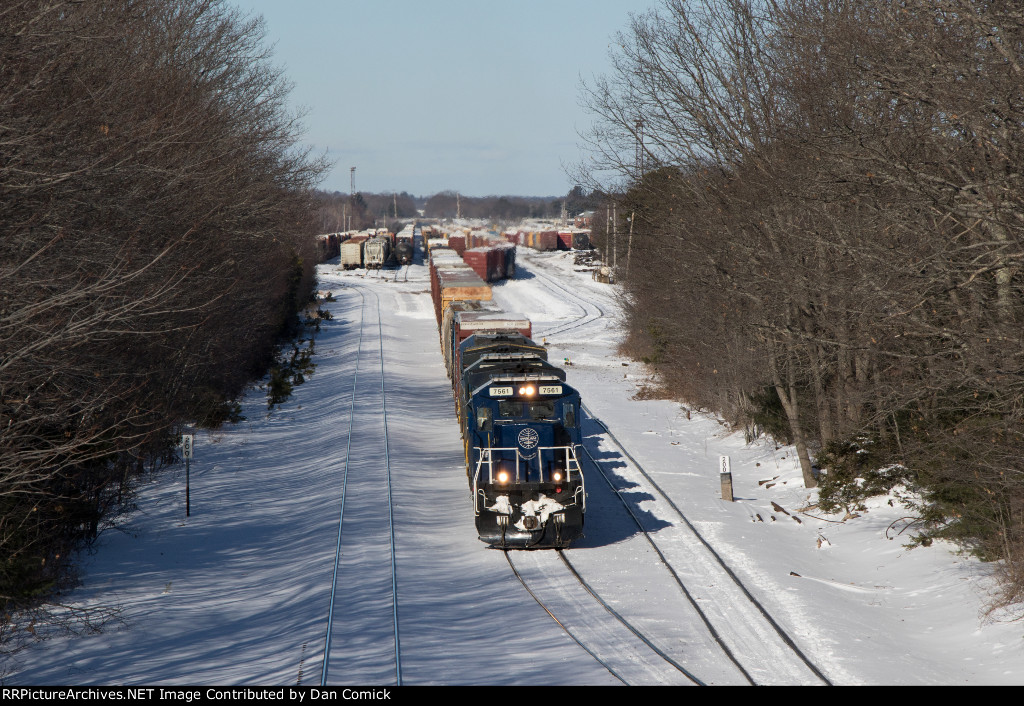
(449, 204)
(341, 212)
(828, 224)
(158, 240)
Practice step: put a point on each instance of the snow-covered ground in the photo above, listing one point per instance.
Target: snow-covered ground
(238, 592)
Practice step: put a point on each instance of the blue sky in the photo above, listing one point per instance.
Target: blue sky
(476, 96)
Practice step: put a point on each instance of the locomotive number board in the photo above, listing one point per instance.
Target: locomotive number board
(508, 391)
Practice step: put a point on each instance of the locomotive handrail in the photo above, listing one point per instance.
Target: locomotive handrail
(486, 455)
(571, 462)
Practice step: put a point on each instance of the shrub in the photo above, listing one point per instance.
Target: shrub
(857, 469)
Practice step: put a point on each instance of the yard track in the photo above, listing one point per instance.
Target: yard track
(591, 311)
(363, 554)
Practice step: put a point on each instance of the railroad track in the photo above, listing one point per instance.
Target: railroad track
(591, 311)
(619, 646)
(761, 649)
(365, 552)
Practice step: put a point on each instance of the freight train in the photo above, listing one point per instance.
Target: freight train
(520, 419)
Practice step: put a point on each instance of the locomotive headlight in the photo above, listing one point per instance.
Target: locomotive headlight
(527, 390)
(557, 476)
(503, 476)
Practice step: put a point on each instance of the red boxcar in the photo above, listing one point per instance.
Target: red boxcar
(457, 243)
(488, 262)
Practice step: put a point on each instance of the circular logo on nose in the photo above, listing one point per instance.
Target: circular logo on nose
(528, 438)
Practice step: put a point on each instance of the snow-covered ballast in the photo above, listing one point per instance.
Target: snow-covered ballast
(522, 431)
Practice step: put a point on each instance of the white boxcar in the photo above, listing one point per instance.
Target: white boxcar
(351, 254)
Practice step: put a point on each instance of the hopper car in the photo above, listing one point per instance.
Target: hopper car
(377, 252)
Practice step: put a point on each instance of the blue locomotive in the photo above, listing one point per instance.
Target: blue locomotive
(522, 429)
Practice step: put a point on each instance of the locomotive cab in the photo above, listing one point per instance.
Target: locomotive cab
(489, 365)
(522, 433)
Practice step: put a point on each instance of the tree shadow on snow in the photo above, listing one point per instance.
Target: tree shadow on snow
(607, 522)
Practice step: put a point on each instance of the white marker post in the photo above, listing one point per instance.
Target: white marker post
(725, 475)
(187, 441)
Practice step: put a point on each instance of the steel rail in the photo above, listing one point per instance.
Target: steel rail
(588, 317)
(391, 508)
(679, 582)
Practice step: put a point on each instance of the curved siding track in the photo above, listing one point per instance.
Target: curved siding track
(591, 311)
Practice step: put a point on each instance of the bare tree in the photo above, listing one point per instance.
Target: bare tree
(829, 208)
(158, 239)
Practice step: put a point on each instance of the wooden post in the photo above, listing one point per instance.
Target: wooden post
(725, 475)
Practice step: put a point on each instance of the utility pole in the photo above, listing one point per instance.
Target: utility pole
(607, 234)
(352, 193)
(615, 237)
(639, 126)
(629, 247)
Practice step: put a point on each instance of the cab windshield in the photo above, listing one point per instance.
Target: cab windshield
(541, 410)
